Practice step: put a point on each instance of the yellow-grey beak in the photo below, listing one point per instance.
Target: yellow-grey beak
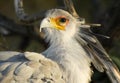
(51, 23)
(45, 24)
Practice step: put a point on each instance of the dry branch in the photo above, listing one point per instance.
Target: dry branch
(23, 16)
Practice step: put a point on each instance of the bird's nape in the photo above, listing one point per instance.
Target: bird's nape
(99, 57)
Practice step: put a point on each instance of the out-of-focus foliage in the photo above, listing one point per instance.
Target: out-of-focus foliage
(88, 9)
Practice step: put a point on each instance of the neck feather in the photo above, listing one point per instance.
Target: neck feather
(70, 55)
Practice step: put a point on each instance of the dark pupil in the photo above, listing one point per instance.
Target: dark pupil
(63, 20)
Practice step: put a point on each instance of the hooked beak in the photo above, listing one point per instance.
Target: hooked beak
(45, 24)
(51, 23)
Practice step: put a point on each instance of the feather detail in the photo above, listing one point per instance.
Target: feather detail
(100, 59)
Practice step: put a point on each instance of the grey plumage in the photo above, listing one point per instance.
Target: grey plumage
(28, 67)
(100, 59)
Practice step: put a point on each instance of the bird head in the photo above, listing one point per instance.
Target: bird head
(59, 23)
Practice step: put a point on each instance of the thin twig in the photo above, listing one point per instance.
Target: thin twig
(25, 17)
(18, 29)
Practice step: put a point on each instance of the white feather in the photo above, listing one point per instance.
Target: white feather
(67, 52)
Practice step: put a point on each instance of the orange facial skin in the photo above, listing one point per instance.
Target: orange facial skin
(59, 22)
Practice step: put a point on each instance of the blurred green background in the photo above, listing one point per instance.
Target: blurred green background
(105, 12)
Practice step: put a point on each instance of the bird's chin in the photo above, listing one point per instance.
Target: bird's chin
(43, 30)
(47, 31)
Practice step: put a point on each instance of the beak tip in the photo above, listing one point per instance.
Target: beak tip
(40, 29)
(44, 24)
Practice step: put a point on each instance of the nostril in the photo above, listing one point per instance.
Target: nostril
(48, 20)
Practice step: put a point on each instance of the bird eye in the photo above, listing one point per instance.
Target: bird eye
(62, 20)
